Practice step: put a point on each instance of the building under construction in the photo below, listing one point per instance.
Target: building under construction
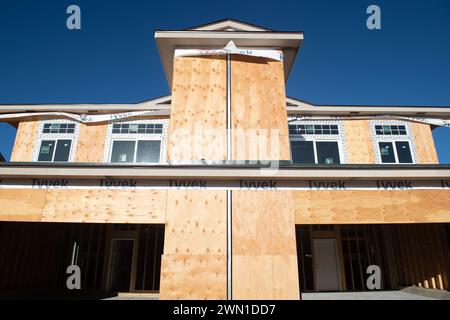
(226, 188)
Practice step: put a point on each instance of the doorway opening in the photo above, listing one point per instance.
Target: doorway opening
(134, 257)
(111, 257)
(336, 257)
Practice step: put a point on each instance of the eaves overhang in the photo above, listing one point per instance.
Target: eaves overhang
(296, 106)
(224, 171)
(168, 41)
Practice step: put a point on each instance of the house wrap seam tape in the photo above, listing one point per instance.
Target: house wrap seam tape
(231, 48)
(83, 118)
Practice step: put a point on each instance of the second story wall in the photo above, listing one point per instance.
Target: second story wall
(345, 141)
(25, 141)
(424, 142)
(91, 143)
(359, 142)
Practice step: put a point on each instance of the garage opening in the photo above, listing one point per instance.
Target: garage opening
(336, 257)
(112, 258)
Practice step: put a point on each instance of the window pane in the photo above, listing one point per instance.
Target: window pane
(148, 151)
(403, 152)
(62, 150)
(328, 152)
(302, 151)
(123, 151)
(387, 152)
(46, 151)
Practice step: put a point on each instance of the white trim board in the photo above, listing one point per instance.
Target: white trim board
(208, 184)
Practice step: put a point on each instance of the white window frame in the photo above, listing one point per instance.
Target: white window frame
(392, 138)
(56, 136)
(339, 138)
(136, 137)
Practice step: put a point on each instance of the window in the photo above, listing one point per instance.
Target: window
(58, 128)
(56, 141)
(395, 152)
(137, 142)
(393, 142)
(323, 152)
(140, 128)
(316, 142)
(388, 130)
(316, 129)
(130, 151)
(48, 152)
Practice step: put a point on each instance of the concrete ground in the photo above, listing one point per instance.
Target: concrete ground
(382, 295)
(135, 296)
(411, 293)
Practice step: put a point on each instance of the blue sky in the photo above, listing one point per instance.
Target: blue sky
(114, 59)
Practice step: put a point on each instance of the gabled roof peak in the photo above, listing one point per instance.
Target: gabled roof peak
(229, 25)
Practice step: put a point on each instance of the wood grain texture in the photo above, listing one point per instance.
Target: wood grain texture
(194, 261)
(258, 109)
(265, 277)
(263, 215)
(25, 141)
(424, 143)
(196, 222)
(371, 206)
(419, 254)
(193, 277)
(264, 242)
(358, 142)
(91, 143)
(105, 206)
(197, 127)
(21, 205)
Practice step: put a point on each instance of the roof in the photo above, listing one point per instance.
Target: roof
(161, 107)
(218, 34)
(228, 24)
(2, 158)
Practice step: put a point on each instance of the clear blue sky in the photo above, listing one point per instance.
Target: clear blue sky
(114, 59)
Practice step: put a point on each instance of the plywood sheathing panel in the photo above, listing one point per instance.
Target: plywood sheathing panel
(265, 277)
(91, 143)
(105, 206)
(21, 205)
(358, 142)
(25, 141)
(264, 215)
(258, 109)
(424, 143)
(193, 277)
(196, 222)
(371, 206)
(264, 243)
(197, 127)
(194, 261)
